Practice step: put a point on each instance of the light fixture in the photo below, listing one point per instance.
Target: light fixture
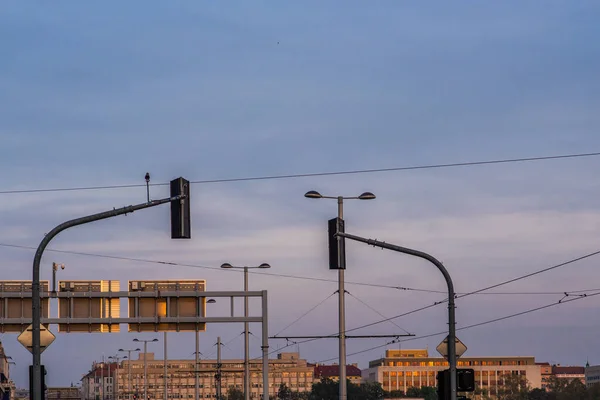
(313, 194)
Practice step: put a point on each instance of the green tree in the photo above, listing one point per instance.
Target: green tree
(234, 394)
(513, 387)
(538, 394)
(284, 392)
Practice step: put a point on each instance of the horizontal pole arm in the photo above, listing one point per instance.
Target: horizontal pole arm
(153, 294)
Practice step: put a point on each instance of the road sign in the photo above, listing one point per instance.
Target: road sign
(88, 307)
(443, 348)
(26, 338)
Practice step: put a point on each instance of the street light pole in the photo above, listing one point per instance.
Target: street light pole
(145, 363)
(129, 369)
(341, 287)
(246, 341)
(246, 327)
(451, 294)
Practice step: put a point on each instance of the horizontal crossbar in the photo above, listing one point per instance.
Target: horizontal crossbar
(153, 294)
(134, 320)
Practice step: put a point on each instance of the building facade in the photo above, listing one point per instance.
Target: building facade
(287, 368)
(353, 373)
(592, 375)
(98, 383)
(63, 393)
(400, 370)
(7, 386)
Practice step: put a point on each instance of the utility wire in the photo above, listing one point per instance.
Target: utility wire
(316, 174)
(376, 285)
(531, 310)
(306, 313)
(377, 312)
(481, 290)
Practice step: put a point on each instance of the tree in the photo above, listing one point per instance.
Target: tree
(284, 392)
(234, 394)
(538, 394)
(514, 387)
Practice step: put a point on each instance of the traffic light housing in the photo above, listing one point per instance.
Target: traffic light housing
(337, 245)
(465, 382)
(43, 381)
(181, 227)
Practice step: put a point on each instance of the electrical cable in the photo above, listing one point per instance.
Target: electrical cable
(305, 314)
(316, 174)
(594, 253)
(531, 310)
(377, 312)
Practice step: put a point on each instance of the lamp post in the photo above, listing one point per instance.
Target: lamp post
(246, 331)
(55, 267)
(129, 369)
(341, 291)
(197, 359)
(116, 359)
(145, 363)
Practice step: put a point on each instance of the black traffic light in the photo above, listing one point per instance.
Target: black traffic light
(465, 382)
(43, 381)
(180, 210)
(443, 384)
(337, 248)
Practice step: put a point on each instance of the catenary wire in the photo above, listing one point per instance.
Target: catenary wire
(367, 284)
(377, 312)
(531, 310)
(569, 262)
(306, 313)
(317, 174)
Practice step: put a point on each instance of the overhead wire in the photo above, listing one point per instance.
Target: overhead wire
(317, 174)
(306, 313)
(531, 310)
(377, 312)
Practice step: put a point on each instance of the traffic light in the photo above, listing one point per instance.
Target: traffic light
(443, 384)
(43, 381)
(465, 380)
(180, 210)
(337, 248)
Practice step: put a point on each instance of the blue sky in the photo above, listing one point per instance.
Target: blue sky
(99, 94)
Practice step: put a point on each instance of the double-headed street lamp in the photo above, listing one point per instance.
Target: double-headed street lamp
(246, 332)
(129, 368)
(341, 266)
(145, 363)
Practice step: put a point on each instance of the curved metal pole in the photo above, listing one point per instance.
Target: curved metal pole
(451, 305)
(35, 283)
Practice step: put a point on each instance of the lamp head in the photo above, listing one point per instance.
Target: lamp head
(264, 265)
(366, 196)
(120, 350)
(211, 301)
(313, 194)
(226, 265)
(138, 349)
(136, 340)
(155, 340)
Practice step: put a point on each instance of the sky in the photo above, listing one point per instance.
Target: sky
(98, 94)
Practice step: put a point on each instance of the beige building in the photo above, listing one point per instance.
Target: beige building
(287, 368)
(402, 369)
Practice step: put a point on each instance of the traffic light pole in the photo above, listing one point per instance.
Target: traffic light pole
(35, 286)
(451, 305)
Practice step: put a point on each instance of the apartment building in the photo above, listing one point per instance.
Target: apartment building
(98, 383)
(63, 393)
(7, 386)
(403, 369)
(353, 374)
(287, 368)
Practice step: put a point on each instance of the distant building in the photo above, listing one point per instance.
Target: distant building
(569, 373)
(592, 375)
(63, 393)
(403, 369)
(7, 386)
(98, 383)
(333, 372)
(546, 373)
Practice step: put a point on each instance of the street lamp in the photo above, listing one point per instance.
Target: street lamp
(116, 359)
(197, 353)
(246, 331)
(313, 194)
(145, 363)
(129, 368)
(54, 269)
